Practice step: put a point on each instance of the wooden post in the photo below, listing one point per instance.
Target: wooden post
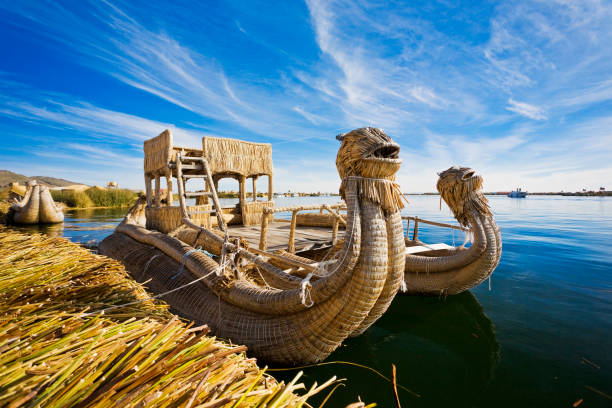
(415, 234)
(148, 189)
(254, 188)
(218, 210)
(181, 187)
(242, 190)
(335, 231)
(169, 196)
(291, 246)
(263, 238)
(407, 228)
(157, 191)
(270, 188)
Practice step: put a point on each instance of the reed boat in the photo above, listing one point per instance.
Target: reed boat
(36, 206)
(441, 269)
(291, 291)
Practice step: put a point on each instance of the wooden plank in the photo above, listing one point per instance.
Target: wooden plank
(425, 248)
(278, 235)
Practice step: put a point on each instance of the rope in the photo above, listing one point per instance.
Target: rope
(149, 262)
(198, 249)
(102, 311)
(305, 291)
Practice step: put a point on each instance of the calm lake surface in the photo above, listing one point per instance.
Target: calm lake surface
(541, 336)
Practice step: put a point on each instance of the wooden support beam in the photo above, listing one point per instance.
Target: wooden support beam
(335, 231)
(218, 210)
(254, 188)
(181, 186)
(148, 189)
(263, 238)
(157, 191)
(169, 193)
(291, 245)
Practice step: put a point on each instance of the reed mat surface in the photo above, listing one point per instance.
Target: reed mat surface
(58, 350)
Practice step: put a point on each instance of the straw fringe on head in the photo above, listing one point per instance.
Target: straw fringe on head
(370, 157)
(461, 190)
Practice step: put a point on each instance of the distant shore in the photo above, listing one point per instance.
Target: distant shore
(560, 193)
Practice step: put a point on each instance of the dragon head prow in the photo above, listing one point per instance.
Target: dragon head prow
(370, 158)
(461, 190)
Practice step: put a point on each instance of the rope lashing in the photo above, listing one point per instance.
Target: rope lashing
(182, 268)
(305, 287)
(469, 238)
(149, 262)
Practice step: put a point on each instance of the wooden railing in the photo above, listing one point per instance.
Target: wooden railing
(417, 220)
(269, 212)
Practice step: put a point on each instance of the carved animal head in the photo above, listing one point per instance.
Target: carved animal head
(461, 190)
(370, 159)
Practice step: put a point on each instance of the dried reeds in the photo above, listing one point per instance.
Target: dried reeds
(53, 353)
(461, 190)
(237, 156)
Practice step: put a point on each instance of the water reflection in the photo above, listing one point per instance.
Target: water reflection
(437, 344)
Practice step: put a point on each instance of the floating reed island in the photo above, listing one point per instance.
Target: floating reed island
(440, 269)
(76, 330)
(290, 294)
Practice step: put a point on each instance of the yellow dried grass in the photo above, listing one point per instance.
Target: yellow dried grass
(52, 354)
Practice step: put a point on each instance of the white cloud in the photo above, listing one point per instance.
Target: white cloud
(525, 109)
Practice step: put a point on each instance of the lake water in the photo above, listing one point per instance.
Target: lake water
(541, 336)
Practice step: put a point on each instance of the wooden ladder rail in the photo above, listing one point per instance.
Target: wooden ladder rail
(209, 181)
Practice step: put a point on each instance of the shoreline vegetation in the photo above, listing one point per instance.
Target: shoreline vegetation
(58, 349)
(95, 197)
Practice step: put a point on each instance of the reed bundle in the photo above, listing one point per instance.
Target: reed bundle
(54, 352)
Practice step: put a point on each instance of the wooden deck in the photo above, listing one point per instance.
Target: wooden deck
(278, 235)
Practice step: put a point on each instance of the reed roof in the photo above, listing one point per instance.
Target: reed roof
(232, 156)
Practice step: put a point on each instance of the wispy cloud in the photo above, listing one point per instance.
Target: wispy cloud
(525, 109)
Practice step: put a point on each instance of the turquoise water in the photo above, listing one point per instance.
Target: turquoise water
(522, 343)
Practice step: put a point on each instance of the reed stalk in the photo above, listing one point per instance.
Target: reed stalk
(55, 353)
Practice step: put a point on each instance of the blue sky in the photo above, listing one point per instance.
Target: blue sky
(520, 91)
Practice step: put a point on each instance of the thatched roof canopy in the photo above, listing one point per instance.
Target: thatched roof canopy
(237, 157)
(226, 157)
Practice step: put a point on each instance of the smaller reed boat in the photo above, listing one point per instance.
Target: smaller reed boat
(441, 269)
(36, 206)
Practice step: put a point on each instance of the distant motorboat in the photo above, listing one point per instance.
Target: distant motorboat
(518, 193)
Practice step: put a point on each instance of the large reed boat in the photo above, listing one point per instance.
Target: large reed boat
(291, 291)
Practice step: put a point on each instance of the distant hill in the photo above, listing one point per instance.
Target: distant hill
(7, 177)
